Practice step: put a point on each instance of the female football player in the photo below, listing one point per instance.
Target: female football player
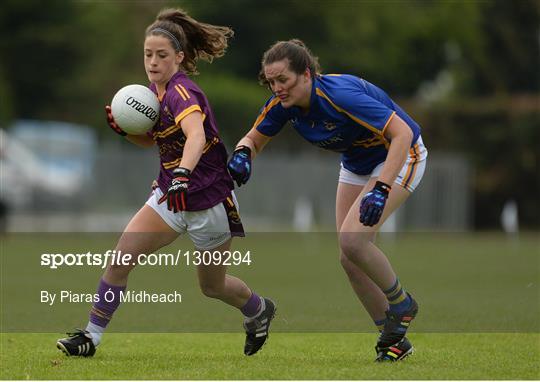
(193, 193)
(382, 161)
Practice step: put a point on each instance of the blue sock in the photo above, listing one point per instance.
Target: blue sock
(398, 299)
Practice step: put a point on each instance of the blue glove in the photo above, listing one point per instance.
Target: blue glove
(240, 165)
(372, 204)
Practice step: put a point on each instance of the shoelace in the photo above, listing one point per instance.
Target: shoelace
(76, 333)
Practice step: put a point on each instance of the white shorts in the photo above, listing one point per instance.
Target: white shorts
(409, 177)
(208, 229)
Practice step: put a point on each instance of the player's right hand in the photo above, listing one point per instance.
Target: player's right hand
(177, 194)
(240, 165)
(112, 124)
(372, 204)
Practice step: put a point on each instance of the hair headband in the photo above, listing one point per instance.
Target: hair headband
(175, 41)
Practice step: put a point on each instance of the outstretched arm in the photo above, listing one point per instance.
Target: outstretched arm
(247, 148)
(255, 141)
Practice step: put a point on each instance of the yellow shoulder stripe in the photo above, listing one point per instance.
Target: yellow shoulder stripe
(354, 118)
(182, 91)
(183, 114)
(174, 128)
(261, 116)
(185, 91)
(388, 122)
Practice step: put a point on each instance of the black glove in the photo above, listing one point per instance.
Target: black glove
(177, 192)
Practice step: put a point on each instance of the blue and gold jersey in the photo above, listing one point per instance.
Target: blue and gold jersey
(347, 114)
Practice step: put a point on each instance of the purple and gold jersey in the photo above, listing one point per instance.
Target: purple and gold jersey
(210, 181)
(347, 114)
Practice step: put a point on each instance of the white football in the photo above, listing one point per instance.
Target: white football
(135, 109)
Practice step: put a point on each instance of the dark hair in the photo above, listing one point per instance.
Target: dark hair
(299, 56)
(197, 40)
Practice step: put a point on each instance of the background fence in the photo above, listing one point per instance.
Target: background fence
(286, 191)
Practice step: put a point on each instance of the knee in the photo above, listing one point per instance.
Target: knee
(346, 245)
(353, 246)
(212, 290)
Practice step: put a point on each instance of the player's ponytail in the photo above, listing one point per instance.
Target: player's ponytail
(299, 56)
(197, 40)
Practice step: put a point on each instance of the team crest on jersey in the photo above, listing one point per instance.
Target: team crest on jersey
(328, 125)
(234, 217)
(294, 120)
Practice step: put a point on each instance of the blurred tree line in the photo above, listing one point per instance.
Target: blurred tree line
(468, 71)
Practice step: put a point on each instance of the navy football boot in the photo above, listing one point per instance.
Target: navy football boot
(393, 334)
(395, 352)
(79, 343)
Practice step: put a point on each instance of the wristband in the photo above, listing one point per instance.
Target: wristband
(243, 149)
(383, 187)
(181, 171)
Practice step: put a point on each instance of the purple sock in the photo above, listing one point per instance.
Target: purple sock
(109, 299)
(252, 306)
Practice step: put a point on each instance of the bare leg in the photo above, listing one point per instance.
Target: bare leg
(145, 233)
(216, 283)
(356, 239)
(369, 294)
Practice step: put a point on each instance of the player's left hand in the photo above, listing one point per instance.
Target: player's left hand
(240, 165)
(372, 204)
(177, 194)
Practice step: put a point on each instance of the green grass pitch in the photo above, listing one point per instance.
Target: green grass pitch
(286, 356)
(479, 314)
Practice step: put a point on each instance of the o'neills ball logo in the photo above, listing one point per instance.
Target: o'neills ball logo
(142, 108)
